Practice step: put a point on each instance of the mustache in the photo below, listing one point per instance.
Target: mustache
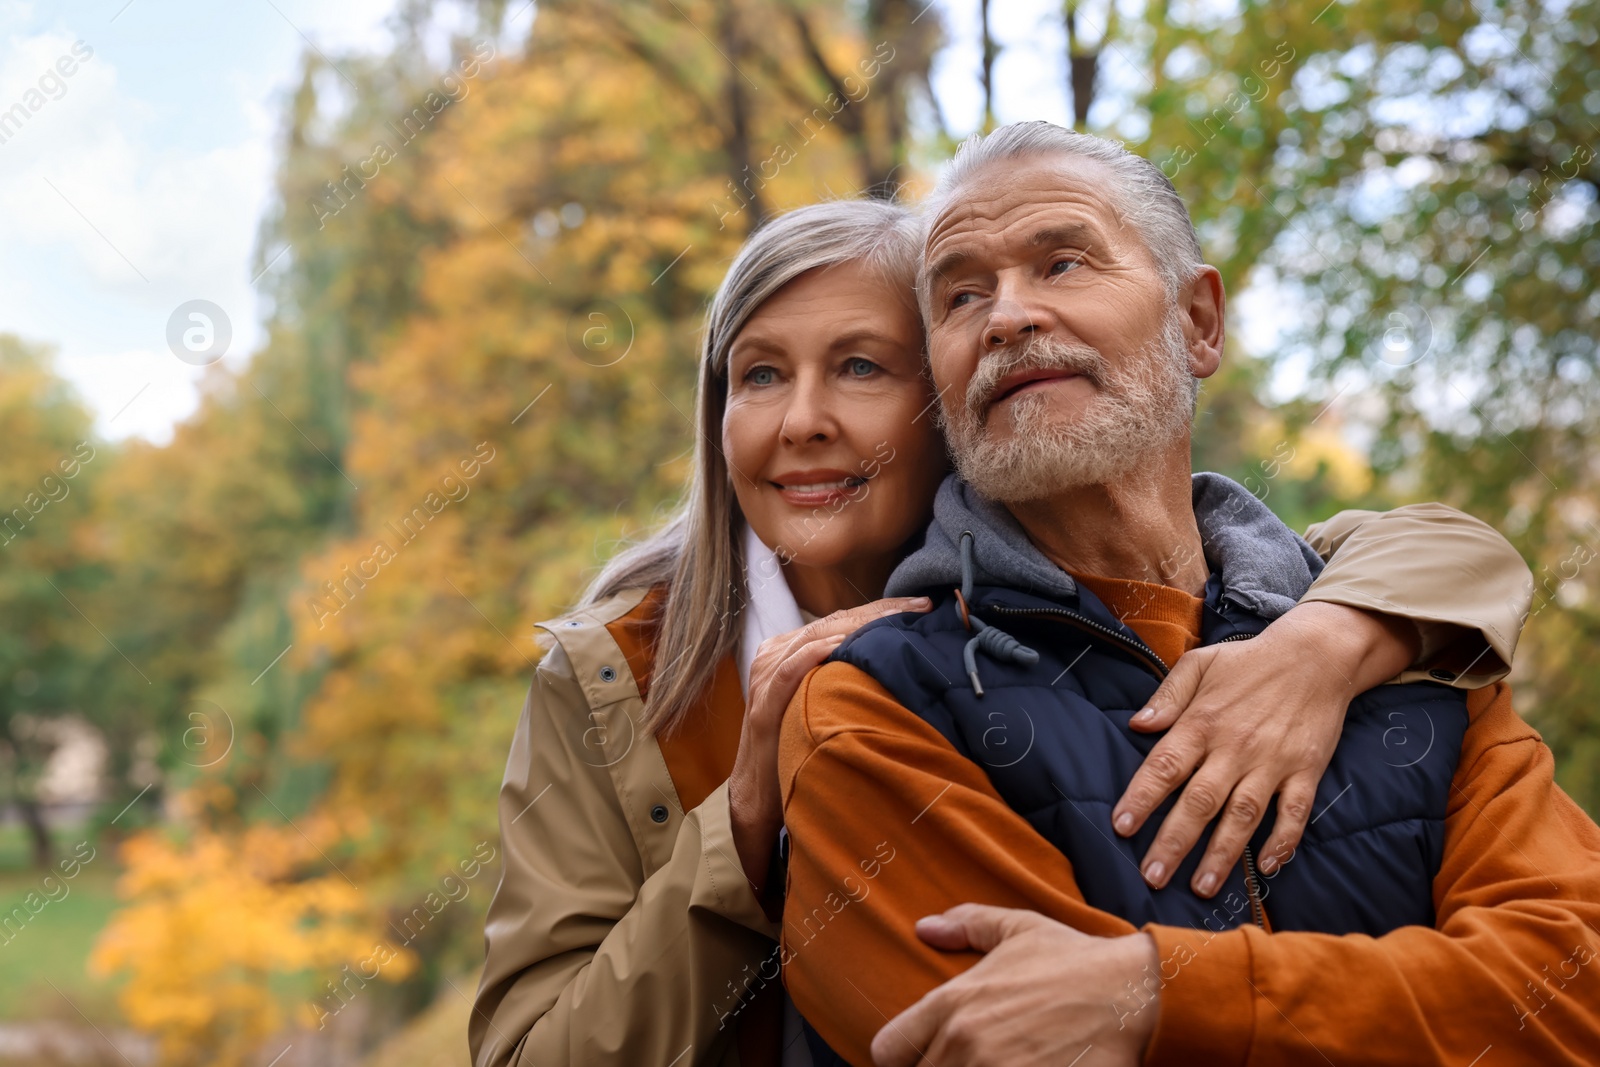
(1038, 353)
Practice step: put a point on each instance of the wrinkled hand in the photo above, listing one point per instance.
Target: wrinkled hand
(780, 663)
(1043, 993)
(1254, 719)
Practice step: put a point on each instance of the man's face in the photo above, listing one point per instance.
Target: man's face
(1060, 357)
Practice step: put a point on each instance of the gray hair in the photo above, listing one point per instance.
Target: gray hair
(1142, 195)
(698, 553)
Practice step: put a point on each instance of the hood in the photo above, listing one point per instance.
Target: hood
(1263, 565)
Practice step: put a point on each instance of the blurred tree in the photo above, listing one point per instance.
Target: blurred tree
(47, 562)
(219, 920)
(1083, 54)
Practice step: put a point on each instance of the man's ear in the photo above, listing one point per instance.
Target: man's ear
(1203, 305)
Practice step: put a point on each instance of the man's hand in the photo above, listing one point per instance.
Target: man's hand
(1043, 994)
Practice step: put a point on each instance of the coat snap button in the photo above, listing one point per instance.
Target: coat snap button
(1442, 675)
(608, 674)
(659, 813)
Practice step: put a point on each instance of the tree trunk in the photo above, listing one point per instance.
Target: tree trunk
(989, 53)
(746, 182)
(1083, 72)
(1081, 67)
(899, 21)
(38, 832)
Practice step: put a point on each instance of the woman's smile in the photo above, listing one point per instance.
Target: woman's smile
(818, 487)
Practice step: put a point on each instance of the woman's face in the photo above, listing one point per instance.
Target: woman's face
(829, 431)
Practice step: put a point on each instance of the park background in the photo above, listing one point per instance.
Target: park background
(243, 747)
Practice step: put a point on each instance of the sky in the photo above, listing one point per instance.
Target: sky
(138, 185)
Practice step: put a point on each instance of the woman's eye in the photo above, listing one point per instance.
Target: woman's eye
(959, 299)
(761, 376)
(860, 367)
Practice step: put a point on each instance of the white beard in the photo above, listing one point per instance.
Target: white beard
(1055, 445)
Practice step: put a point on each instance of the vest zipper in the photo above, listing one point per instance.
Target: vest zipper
(1252, 881)
(1252, 885)
(1137, 647)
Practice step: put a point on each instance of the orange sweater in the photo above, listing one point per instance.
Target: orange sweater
(890, 823)
(1166, 619)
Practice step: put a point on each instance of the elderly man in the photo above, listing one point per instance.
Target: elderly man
(975, 753)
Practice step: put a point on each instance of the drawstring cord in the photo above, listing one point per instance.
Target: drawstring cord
(991, 639)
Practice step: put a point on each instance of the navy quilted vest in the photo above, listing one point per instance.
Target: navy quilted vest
(1053, 738)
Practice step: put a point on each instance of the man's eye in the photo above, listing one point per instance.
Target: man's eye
(761, 376)
(1061, 266)
(860, 367)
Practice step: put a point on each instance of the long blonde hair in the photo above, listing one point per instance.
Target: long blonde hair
(698, 551)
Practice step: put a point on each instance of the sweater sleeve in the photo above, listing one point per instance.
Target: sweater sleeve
(1512, 964)
(888, 823)
(589, 961)
(1455, 578)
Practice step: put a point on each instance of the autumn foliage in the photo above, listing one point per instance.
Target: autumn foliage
(217, 920)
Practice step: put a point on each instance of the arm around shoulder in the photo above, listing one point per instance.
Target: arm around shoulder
(1454, 577)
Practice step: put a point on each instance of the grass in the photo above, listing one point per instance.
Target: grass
(53, 946)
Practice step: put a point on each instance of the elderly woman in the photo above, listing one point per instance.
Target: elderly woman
(635, 918)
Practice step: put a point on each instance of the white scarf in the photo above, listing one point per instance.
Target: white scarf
(769, 610)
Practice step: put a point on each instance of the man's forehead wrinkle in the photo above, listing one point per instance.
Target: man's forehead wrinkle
(994, 202)
(961, 211)
(1042, 221)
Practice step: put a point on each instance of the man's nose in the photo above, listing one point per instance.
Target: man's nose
(1009, 323)
(1012, 317)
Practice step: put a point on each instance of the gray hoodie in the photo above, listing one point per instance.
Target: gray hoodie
(1265, 566)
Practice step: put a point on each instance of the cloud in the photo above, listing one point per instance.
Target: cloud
(136, 392)
(108, 229)
(85, 172)
(143, 183)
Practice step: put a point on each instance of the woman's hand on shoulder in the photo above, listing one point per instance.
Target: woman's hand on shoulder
(775, 674)
(1254, 719)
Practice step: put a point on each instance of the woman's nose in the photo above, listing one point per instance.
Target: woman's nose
(809, 416)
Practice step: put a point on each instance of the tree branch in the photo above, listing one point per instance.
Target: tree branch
(628, 37)
(848, 118)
